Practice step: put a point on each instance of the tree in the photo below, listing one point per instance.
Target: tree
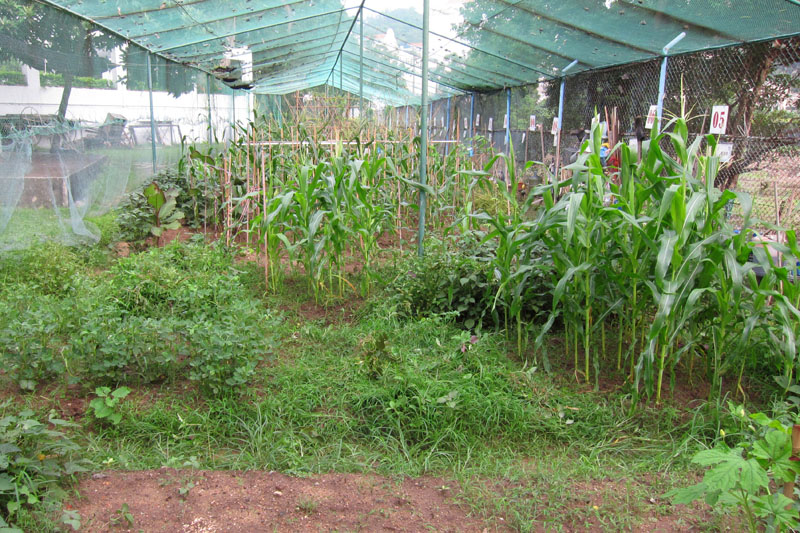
(45, 38)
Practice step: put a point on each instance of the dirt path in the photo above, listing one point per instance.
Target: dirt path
(214, 502)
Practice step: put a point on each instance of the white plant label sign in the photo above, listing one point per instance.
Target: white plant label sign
(466, 124)
(491, 119)
(651, 117)
(725, 152)
(554, 129)
(719, 119)
(532, 124)
(478, 120)
(505, 121)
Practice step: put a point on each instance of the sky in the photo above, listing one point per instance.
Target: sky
(442, 16)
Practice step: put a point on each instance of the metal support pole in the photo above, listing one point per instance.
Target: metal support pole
(447, 130)
(233, 115)
(471, 123)
(423, 144)
(557, 162)
(508, 121)
(152, 118)
(210, 124)
(341, 70)
(662, 80)
(407, 115)
(361, 63)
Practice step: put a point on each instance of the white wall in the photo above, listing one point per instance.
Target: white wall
(189, 111)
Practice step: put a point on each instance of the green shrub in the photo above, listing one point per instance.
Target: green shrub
(33, 460)
(32, 336)
(168, 313)
(750, 474)
(48, 267)
(442, 283)
(12, 78)
(459, 284)
(175, 311)
(135, 215)
(223, 354)
(81, 82)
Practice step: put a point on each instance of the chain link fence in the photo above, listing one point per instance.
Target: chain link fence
(760, 84)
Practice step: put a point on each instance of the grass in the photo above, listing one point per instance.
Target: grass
(524, 446)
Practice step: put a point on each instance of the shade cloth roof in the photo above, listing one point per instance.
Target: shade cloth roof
(487, 44)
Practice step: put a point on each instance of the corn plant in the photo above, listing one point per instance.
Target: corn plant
(512, 234)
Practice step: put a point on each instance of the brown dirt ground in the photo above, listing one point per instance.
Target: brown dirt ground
(256, 501)
(268, 501)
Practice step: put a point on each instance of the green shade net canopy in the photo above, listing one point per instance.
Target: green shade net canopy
(275, 47)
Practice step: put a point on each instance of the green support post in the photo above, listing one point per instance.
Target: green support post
(210, 124)
(361, 64)
(423, 145)
(152, 119)
(233, 115)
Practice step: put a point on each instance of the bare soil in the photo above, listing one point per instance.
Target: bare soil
(187, 501)
(268, 501)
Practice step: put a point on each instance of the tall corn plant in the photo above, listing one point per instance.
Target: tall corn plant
(696, 258)
(781, 284)
(369, 212)
(575, 229)
(512, 233)
(307, 216)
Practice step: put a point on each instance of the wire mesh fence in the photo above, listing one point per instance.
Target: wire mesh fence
(759, 83)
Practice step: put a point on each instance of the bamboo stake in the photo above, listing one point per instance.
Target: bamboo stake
(264, 218)
(229, 208)
(247, 185)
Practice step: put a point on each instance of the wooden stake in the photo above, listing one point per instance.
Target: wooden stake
(541, 136)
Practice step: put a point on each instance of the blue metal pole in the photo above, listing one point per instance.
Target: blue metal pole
(508, 121)
(152, 119)
(407, 115)
(561, 94)
(560, 119)
(662, 80)
(423, 145)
